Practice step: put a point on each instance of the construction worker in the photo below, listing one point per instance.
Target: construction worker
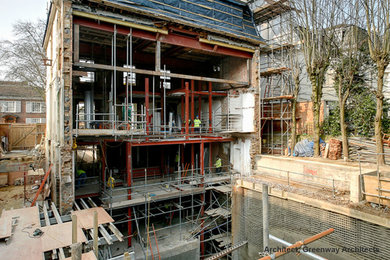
(218, 165)
(81, 176)
(197, 124)
(111, 182)
(177, 160)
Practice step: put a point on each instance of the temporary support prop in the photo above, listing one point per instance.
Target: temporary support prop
(297, 245)
(41, 187)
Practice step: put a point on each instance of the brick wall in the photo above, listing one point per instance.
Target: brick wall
(23, 114)
(305, 117)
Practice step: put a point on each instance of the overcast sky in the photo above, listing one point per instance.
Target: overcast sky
(14, 10)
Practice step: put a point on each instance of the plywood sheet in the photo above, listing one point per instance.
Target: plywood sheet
(85, 217)
(5, 226)
(86, 256)
(223, 189)
(21, 245)
(371, 187)
(59, 235)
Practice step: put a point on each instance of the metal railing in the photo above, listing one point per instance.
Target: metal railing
(380, 179)
(189, 177)
(302, 178)
(102, 121)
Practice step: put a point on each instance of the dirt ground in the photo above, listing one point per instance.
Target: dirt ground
(13, 196)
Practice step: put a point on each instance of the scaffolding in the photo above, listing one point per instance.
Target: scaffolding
(275, 79)
(135, 104)
(180, 200)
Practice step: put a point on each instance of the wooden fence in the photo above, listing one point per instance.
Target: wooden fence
(22, 136)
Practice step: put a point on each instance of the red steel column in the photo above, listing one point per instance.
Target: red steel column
(128, 171)
(201, 159)
(147, 104)
(182, 108)
(210, 107)
(192, 103)
(182, 115)
(187, 108)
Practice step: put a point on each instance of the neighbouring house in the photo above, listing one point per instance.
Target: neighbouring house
(20, 103)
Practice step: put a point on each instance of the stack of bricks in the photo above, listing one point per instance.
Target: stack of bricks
(334, 149)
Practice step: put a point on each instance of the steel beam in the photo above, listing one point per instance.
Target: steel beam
(197, 141)
(94, 67)
(170, 38)
(199, 93)
(91, 49)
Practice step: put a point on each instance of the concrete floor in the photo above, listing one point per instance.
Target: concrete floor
(173, 243)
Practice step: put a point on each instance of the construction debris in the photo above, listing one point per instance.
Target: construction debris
(24, 237)
(364, 150)
(335, 149)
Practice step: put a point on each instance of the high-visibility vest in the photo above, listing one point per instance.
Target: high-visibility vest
(177, 158)
(111, 182)
(218, 163)
(197, 123)
(79, 172)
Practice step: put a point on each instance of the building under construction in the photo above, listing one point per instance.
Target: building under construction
(174, 117)
(150, 113)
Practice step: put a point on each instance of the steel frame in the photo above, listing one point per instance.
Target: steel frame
(148, 137)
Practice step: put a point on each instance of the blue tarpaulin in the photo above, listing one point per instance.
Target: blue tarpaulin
(228, 16)
(305, 148)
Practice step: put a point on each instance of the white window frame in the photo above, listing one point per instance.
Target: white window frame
(35, 107)
(10, 106)
(35, 120)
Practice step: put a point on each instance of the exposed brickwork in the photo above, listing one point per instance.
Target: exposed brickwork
(255, 138)
(67, 196)
(305, 117)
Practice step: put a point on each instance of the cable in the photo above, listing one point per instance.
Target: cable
(36, 234)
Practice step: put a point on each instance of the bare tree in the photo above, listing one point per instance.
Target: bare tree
(314, 21)
(351, 58)
(377, 14)
(348, 67)
(23, 56)
(296, 67)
